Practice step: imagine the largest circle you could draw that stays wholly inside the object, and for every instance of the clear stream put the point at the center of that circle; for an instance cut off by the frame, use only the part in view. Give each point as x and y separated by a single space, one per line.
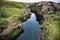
31 29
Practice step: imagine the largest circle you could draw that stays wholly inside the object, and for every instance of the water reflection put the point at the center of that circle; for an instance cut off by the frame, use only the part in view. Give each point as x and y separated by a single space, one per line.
31 29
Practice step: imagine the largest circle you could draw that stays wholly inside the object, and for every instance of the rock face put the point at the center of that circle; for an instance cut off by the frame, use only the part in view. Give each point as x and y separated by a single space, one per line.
5 34
44 7
46 13
27 14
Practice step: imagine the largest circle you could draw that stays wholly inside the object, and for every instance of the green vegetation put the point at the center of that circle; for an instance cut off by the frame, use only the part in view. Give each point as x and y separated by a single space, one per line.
11 8
3 13
15 32
53 26
15 4
3 23
9 14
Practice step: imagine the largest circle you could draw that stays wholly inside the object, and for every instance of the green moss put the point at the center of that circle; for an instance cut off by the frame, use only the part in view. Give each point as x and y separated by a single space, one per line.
9 15
3 23
15 32
13 11
12 8
53 27
21 16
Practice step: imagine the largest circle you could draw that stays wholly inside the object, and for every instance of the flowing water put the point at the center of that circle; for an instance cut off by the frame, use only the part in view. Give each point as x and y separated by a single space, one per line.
31 29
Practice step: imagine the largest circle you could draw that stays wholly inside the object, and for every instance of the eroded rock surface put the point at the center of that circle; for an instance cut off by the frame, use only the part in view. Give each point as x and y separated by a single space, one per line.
43 11
6 33
44 7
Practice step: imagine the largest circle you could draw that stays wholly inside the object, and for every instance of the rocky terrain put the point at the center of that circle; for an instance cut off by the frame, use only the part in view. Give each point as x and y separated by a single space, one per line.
5 34
41 8
12 17
47 14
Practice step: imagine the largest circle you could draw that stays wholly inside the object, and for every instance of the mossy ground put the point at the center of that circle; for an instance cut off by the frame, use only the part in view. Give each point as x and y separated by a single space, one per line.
53 26
12 11
15 32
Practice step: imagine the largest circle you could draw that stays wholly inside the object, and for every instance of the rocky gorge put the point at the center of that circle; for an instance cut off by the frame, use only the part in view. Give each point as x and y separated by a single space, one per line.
46 13
48 16
9 32
44 7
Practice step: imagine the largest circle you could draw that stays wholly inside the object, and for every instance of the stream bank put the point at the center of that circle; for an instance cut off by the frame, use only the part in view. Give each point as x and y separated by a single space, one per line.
15 25
47 15
31 29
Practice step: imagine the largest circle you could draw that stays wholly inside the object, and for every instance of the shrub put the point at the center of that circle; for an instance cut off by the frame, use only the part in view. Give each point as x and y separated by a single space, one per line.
3 13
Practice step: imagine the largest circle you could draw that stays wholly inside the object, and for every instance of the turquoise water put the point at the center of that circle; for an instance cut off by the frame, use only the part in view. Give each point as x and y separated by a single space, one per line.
31 29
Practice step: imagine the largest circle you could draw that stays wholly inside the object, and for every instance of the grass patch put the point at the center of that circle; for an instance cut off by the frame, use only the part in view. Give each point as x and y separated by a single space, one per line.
53 27
13 11
3 23
16 31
